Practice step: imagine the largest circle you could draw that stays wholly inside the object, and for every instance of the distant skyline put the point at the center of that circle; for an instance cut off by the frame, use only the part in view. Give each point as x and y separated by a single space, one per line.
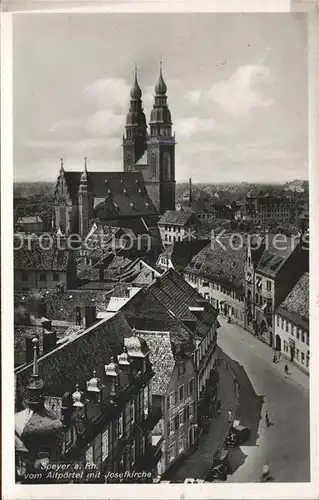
237 91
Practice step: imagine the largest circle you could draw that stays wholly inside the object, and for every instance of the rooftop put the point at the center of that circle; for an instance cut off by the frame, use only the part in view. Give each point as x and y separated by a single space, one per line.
178 217
296 304
181 252
222 261
277 249
36 258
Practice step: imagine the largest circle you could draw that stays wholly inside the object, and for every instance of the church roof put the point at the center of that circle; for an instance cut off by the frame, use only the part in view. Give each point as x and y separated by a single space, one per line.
142 160
124 192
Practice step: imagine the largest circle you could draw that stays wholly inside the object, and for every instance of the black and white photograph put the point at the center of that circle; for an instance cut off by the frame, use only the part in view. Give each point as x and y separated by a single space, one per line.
161 229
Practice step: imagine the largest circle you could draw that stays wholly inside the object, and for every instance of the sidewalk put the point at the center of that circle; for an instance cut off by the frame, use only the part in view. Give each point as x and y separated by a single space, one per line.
197 464
265 352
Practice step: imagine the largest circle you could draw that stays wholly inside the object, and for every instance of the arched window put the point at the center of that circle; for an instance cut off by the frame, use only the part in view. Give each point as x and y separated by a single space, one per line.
166 166
153 165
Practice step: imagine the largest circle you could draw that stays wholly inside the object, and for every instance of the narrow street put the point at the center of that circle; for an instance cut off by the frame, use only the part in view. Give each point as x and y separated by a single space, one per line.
285 445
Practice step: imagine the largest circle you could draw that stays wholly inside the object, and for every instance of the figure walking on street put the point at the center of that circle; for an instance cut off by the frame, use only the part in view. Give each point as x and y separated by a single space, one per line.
286 369
230 416
274 358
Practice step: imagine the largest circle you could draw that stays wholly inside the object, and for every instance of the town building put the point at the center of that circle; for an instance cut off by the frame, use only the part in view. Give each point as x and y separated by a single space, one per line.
39 266
177 225
174 392
29 224
152 308
217 273
292 325
146 186
88 402
264 209
179 254
274 265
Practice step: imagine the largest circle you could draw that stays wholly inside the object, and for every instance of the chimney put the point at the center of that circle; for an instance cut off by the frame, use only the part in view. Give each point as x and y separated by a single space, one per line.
90 316
49 341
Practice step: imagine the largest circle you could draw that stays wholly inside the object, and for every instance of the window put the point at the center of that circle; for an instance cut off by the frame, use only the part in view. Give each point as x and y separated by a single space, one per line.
68 438
181 444
268 285
282 323
105 444
43 277
171 400
257 298
285 346
181 418
297 354
166 166
181 393
171 427
146 401
287 326
298 334
307 360
121 426
171 453
302 336
181 368
55 276
153 164
89 455
24 276
190 387
292 330
191 410
307 338
133 455
302 358
133 412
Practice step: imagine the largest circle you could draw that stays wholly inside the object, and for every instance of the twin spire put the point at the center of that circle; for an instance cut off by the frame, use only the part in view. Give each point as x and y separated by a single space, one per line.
160 87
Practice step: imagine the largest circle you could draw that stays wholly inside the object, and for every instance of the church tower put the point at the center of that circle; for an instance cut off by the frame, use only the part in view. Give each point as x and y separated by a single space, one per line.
160 174
134 141
85 203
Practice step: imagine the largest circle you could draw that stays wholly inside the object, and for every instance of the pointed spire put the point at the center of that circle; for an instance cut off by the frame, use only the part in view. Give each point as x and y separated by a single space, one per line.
84 176
62 165
160 87
35 368
85 164
136 92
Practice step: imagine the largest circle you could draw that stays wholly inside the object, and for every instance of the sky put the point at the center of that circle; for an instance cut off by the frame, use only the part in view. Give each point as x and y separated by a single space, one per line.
237 91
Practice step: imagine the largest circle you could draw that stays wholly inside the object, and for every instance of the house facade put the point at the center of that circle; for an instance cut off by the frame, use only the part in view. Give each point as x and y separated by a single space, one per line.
102 414
177 225
292 325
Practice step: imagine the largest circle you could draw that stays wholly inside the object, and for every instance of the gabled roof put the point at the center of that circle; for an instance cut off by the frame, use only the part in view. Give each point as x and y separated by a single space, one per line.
296 305
181 252
177 217
178 296
124 193
222 261
75 360
277 250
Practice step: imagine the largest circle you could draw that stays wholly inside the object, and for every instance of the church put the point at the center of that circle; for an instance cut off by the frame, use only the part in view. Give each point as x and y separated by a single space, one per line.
142 191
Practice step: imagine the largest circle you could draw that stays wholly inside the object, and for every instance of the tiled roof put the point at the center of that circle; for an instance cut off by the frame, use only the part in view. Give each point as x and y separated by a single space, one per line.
222 263
145 311
181 252
142 160
177 217
276 253
124 193
61 306
178 296
75 360
161 357
296 304
41 259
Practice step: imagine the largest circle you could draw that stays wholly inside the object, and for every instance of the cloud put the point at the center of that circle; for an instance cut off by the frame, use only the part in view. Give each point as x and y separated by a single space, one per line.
108 93
66 124
194 96
104 123
194 125
239 94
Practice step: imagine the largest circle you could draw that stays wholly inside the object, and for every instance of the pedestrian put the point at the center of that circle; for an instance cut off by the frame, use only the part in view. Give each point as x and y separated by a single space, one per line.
286 369
230 416
274 358
267 419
